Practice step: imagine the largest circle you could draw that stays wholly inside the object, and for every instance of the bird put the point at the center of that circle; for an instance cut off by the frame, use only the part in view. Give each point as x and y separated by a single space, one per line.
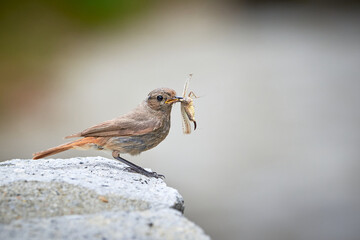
141 129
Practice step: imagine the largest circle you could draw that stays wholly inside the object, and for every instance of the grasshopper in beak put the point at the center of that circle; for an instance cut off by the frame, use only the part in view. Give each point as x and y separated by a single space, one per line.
187 108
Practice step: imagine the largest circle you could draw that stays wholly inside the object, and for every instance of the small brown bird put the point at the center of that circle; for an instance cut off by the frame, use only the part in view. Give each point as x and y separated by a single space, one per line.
139 130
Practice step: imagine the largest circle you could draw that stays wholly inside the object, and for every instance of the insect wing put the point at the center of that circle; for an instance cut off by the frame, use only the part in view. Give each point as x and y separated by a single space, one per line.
185 120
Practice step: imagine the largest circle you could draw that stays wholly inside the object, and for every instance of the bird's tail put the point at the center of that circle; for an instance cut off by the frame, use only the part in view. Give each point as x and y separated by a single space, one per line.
80 143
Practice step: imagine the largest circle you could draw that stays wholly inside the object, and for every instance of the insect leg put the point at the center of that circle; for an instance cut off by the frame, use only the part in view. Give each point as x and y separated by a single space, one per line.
192 94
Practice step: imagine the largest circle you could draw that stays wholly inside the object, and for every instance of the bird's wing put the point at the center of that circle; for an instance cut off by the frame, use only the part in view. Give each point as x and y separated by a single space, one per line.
122 126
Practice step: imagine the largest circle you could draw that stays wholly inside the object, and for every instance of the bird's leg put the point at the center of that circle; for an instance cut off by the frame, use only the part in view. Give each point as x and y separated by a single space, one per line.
135 167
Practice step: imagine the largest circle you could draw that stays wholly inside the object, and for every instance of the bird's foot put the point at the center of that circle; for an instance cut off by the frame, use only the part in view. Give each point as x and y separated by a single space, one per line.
145 173
136 168
155 175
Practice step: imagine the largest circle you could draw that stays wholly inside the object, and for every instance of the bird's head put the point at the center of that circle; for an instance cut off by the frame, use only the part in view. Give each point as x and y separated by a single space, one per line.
162 99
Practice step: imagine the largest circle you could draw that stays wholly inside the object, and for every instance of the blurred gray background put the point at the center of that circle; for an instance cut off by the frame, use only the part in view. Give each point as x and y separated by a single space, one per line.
276 153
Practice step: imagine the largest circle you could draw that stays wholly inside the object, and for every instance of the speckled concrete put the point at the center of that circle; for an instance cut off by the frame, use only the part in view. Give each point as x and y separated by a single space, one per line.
88 198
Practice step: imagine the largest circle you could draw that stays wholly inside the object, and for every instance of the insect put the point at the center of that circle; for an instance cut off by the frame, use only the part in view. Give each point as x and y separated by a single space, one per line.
187 108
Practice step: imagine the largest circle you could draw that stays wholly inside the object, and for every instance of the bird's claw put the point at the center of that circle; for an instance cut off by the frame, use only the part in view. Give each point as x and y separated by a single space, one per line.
155 175
145 173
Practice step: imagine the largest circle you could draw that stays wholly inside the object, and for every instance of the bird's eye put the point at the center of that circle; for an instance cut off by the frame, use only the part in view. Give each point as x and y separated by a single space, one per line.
159 98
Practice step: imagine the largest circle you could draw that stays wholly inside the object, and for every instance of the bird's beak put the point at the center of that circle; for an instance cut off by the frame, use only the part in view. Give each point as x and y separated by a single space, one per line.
173 100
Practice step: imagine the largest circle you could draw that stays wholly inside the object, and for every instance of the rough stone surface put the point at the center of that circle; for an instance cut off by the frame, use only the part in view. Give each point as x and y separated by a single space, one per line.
88 198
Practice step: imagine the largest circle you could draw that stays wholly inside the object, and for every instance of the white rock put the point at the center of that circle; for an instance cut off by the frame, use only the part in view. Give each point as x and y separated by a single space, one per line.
86 198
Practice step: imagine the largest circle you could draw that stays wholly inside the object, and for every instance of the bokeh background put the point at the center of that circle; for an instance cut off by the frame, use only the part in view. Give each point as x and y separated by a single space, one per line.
277 151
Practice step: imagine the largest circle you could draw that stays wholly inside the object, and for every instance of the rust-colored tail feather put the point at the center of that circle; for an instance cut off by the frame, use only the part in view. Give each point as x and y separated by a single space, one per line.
63 147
